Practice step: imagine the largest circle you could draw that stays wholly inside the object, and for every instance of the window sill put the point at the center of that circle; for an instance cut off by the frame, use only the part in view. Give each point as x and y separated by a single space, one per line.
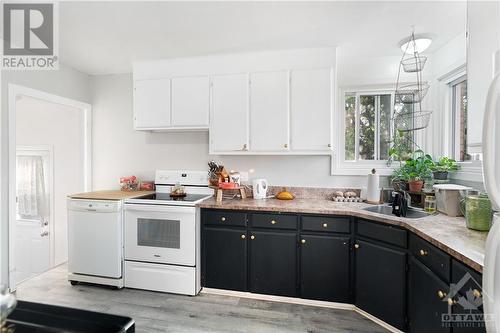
469 171
361 168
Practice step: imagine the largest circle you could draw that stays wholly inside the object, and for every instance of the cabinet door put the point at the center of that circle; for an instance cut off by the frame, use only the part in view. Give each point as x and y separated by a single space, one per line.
269 111
225 259
380 282
151 103
311 109
425 306
190 101
229 122
273 263
324 268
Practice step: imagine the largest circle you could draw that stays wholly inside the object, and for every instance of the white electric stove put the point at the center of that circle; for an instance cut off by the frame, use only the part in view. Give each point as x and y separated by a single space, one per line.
162 235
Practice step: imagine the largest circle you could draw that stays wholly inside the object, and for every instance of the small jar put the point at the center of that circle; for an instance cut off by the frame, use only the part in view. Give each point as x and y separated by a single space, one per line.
430 204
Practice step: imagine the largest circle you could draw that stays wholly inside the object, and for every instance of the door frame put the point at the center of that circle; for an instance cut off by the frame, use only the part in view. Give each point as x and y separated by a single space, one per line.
16 91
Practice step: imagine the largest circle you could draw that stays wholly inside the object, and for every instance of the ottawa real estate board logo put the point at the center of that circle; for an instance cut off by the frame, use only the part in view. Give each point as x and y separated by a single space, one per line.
30 36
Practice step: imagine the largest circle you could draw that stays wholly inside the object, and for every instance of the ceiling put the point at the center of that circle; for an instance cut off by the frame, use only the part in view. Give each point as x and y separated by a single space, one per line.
106 37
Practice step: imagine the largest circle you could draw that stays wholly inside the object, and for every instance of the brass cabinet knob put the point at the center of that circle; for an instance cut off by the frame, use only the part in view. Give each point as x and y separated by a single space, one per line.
325 225
252 237
356 246
329 145
244 147
423 253
223 219
477 293
243 236
285 145
451 301
303 241
273 222
441 294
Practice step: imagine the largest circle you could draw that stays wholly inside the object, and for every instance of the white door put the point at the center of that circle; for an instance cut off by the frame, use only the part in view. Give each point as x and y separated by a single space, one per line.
311 109
269 111
151 103
229 122
33 212
190 101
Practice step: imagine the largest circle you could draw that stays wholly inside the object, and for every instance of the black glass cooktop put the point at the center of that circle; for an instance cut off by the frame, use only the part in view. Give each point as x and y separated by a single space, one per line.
168 197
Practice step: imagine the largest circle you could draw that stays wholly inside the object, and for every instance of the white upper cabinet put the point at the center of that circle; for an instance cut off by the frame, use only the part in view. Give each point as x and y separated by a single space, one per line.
229 115
311 109
269 111
190 101
151 104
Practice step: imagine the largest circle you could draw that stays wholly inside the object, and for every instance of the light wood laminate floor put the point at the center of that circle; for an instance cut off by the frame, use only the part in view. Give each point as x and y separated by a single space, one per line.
160 312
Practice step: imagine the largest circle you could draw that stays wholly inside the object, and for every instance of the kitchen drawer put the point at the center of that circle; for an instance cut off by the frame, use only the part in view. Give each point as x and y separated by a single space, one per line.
385 233
339 224
437 261
274 221
225 217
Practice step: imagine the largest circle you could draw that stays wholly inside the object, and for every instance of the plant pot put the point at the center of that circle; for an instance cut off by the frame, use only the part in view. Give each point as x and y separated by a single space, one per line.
416 185
440 175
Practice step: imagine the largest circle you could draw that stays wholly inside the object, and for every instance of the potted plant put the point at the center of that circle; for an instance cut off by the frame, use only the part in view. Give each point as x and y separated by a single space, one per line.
414 171
441 168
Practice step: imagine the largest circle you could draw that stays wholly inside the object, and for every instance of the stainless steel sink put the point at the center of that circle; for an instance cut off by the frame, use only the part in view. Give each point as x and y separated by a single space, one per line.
387 210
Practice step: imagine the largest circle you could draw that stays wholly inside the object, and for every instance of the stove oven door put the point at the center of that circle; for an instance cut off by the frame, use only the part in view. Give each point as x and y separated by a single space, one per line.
160 234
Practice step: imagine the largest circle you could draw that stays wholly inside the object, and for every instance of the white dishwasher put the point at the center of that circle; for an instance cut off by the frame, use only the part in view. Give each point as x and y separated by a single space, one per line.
95 242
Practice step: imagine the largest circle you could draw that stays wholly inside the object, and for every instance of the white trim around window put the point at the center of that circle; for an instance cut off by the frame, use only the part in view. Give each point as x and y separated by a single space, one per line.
339 165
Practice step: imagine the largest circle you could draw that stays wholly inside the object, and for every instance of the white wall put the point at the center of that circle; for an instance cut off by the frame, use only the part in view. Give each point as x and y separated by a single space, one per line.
65 82
118 150
41 123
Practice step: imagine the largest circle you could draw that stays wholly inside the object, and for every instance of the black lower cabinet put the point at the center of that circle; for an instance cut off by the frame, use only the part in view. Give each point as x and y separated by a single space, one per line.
273 263
324 268
427 300
380 282
225 259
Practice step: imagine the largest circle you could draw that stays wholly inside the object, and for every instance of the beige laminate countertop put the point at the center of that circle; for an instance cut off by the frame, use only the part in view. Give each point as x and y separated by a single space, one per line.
109 195
447 233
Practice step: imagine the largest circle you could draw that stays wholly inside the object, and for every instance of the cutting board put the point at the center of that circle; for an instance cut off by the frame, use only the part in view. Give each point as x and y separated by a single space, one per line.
109 195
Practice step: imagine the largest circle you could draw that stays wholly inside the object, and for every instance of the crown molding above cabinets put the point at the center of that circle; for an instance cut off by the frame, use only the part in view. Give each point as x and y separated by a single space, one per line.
259 103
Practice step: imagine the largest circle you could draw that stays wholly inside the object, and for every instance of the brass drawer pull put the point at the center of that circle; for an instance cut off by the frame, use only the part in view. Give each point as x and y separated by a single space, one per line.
252 237
423 253
303 241
285 145
325 225
477 293
243 236
441 294
223 219
451 301
356 246
273 222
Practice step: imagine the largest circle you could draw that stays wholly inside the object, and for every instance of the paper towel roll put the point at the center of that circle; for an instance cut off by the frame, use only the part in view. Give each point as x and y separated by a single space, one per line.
373 189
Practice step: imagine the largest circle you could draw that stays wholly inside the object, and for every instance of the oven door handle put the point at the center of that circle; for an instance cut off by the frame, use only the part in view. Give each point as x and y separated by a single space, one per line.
159 208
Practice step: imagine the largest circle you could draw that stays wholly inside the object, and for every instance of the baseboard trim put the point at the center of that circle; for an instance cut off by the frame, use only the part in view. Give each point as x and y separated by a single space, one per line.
299 301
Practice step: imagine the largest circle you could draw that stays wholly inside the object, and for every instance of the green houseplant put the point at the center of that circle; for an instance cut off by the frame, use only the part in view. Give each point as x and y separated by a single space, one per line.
443 167
414 171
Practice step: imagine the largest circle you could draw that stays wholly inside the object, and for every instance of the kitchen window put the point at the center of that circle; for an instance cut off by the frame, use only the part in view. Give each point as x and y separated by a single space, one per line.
459 116
368 126
367 132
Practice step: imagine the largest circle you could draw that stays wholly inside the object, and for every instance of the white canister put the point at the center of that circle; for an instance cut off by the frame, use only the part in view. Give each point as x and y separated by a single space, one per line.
259 188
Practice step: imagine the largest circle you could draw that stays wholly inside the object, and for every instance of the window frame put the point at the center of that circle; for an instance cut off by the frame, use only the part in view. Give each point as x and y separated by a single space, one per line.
357 167
456 118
